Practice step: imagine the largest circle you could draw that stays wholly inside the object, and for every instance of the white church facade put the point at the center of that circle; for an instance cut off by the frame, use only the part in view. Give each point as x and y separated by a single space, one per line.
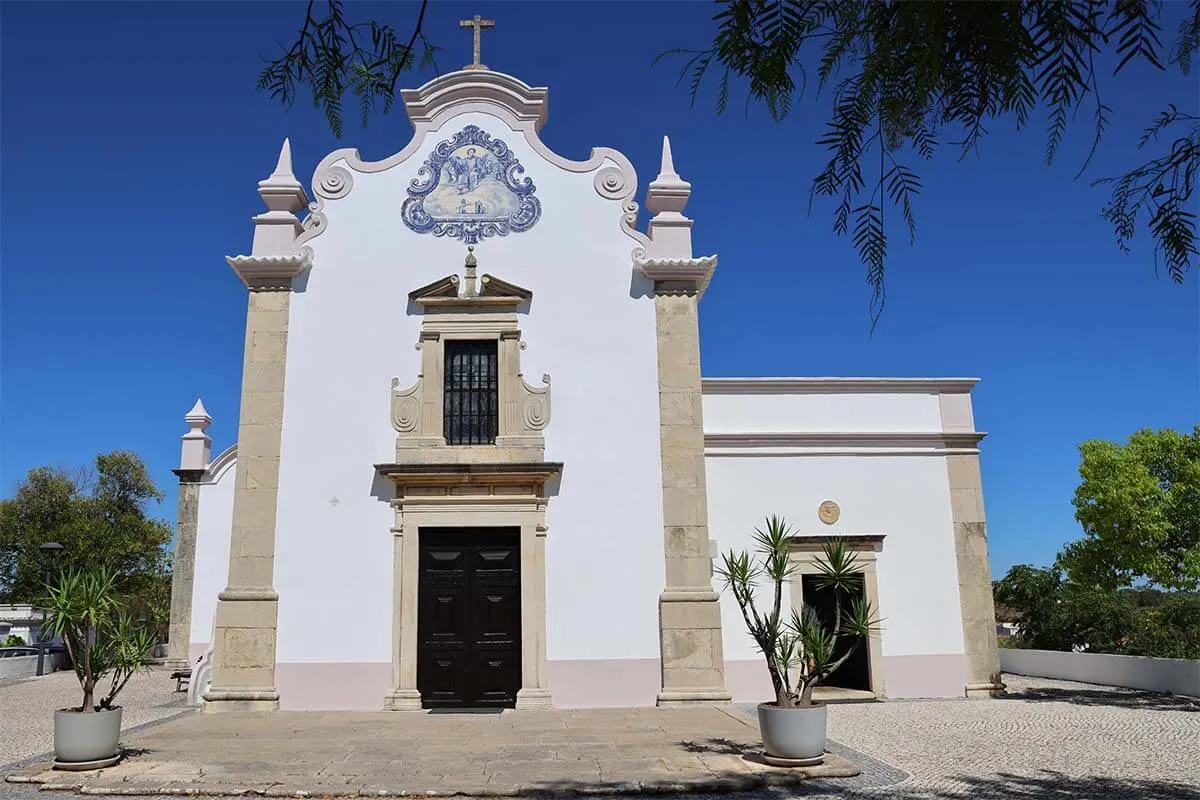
477 464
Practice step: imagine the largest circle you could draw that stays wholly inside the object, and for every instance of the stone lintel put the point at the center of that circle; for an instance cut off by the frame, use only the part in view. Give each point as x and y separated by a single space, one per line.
189 475
469 473
854 541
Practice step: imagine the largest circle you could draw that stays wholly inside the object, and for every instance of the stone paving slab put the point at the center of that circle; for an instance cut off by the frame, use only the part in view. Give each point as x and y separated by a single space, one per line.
340 754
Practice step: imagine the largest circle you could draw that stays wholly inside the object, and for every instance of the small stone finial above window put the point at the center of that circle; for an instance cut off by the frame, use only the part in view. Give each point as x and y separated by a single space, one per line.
197 446
471 290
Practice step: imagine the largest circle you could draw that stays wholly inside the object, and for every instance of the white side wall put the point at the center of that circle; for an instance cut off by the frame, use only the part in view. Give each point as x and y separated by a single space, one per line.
893 490
1175 675
213 529
350 333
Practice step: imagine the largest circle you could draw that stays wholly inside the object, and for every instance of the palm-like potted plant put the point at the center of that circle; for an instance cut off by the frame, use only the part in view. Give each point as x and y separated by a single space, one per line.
103 641
800 650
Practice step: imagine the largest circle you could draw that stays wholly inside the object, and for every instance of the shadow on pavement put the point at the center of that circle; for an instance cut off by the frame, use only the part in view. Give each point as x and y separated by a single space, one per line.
1129 698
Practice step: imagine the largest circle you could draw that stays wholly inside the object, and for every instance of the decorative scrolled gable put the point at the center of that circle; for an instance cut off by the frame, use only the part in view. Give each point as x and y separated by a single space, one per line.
460 310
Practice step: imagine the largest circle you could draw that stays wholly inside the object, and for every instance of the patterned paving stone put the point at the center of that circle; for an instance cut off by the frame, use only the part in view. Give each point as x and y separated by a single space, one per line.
1047 740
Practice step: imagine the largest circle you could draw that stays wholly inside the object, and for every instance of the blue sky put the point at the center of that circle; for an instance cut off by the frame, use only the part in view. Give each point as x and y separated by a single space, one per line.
132 139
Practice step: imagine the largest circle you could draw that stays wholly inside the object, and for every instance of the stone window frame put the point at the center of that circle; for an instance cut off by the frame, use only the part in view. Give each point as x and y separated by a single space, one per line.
804 552
486 314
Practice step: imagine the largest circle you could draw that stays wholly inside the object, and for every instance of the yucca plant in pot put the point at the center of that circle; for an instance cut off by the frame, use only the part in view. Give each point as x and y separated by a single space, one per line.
104 642
800 650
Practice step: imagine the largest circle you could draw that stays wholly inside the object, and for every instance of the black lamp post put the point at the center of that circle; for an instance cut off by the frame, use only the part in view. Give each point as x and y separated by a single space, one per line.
50 551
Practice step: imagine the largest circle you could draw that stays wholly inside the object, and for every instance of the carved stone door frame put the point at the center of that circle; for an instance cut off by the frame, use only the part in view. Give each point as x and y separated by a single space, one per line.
469 496
805 550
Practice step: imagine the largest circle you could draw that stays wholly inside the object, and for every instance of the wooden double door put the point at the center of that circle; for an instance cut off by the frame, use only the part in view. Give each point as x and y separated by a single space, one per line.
469 617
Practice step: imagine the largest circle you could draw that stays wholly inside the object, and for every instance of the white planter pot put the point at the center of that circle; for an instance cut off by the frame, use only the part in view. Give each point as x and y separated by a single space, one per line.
86 741
792 737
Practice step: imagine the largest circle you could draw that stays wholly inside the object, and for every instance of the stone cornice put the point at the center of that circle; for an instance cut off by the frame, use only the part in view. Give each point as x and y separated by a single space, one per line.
526 473
270 272
446 94
849 442
669 274
715 386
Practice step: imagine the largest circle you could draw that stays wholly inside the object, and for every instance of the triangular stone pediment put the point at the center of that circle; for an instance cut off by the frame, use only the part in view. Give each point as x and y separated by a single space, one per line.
442 287
491 286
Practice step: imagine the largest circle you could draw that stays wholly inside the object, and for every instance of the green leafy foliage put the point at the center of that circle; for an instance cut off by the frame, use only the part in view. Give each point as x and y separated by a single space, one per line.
1139 505
332 56
100 635
904 73
13 641
100 518
1056 614
799 649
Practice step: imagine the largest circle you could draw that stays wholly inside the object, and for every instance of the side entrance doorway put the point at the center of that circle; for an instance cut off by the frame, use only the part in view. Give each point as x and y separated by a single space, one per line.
854 673
469 617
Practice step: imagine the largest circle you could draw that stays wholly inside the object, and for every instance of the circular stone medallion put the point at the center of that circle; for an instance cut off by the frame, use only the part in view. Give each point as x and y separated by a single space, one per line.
828 512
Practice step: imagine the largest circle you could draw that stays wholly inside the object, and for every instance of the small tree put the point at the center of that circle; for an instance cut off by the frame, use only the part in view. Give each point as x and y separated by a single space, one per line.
800 651
99 634
13 641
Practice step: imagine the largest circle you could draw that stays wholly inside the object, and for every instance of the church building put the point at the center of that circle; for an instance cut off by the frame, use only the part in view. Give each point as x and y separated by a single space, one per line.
477 464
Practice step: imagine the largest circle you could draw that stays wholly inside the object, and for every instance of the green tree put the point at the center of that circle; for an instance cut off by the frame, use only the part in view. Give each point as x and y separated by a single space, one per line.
1139 505
101 521
904 77
1056 614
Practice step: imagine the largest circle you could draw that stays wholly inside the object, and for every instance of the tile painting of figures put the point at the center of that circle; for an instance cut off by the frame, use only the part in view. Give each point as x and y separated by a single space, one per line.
471 186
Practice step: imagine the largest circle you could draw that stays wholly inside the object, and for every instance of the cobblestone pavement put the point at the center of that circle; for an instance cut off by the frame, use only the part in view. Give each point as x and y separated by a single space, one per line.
27 708
1047 740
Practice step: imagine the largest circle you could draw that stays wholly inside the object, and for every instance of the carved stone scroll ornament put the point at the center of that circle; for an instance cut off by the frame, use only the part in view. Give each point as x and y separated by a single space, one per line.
406 407
535 405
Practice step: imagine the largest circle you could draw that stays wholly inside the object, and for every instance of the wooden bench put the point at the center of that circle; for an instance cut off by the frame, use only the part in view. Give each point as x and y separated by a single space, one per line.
179 676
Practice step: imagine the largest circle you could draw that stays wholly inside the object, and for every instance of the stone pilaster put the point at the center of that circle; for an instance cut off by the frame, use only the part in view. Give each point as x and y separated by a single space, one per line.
974 576
689 611
183 569
971 550
692 651
248 608
244 650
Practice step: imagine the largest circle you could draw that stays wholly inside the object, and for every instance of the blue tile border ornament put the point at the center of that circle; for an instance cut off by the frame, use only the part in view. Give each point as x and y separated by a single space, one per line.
471 187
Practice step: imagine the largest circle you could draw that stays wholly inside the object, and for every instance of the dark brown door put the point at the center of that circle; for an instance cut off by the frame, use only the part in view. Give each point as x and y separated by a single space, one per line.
469 617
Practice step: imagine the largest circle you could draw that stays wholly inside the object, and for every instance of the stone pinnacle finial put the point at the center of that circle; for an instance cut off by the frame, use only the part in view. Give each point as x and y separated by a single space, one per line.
469 289
667 167
276 230
667 192
197 446
198 416
283 167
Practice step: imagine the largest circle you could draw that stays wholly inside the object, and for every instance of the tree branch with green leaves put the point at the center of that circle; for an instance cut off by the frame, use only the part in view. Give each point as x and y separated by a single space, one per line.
906 74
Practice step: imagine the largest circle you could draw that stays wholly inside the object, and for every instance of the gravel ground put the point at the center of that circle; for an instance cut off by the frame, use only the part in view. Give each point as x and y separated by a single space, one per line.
1048 740
27 708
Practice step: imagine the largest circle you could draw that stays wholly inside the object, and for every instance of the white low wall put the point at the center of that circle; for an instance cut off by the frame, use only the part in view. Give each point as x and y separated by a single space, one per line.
18 667
1134 672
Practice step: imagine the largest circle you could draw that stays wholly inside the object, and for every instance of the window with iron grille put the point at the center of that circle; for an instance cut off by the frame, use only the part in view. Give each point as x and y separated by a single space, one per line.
471 408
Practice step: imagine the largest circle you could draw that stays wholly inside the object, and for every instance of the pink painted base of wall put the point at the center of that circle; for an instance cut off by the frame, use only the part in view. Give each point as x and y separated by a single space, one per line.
358 686
598 683
914 677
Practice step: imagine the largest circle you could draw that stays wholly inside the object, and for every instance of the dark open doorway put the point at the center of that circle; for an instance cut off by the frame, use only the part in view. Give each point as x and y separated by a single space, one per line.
855 673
